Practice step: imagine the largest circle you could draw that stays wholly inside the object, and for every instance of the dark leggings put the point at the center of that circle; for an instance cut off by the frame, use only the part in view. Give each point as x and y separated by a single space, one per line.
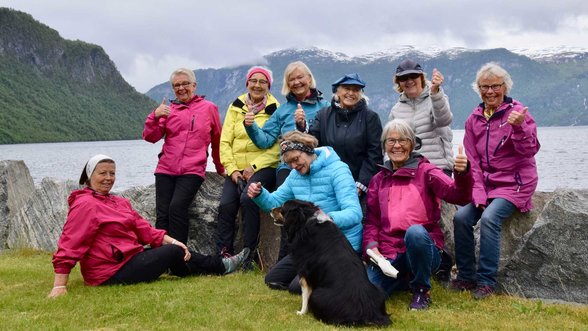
152 263
173 196
231 200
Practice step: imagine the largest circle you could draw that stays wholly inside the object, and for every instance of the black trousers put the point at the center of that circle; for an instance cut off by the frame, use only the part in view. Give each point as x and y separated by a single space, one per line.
152 263
283 276
173 196
232 198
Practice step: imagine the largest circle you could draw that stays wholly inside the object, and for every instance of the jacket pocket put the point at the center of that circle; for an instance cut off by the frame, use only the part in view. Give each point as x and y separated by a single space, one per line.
499 145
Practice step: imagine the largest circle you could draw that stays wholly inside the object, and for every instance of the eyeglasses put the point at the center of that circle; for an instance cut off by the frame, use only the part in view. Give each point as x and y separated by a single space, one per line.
404 78
260 81
494 87
177 86
401 141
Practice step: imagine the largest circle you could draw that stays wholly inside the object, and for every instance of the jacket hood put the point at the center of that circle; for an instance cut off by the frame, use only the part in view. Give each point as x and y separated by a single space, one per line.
325 156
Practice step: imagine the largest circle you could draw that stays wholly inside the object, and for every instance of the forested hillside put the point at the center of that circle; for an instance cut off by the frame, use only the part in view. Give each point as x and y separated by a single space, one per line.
52 89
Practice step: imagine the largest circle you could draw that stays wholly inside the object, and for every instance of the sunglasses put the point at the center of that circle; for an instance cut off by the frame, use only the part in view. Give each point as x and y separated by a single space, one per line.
404 78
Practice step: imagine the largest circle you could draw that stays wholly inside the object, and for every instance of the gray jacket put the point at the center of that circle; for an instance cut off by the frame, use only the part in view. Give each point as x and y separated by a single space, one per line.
430 117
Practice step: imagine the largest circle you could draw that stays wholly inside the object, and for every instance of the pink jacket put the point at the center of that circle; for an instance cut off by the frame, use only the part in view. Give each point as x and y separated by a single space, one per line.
502 156
189 129
410 195
102 232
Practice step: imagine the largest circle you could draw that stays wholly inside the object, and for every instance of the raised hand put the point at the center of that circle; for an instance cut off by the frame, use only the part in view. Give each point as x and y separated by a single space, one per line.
517 118
436 80
299 117
254 190
461 160
249 118
163 109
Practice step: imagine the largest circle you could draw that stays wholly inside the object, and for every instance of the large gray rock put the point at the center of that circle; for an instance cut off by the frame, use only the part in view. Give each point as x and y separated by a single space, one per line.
39 222
16 185
552 261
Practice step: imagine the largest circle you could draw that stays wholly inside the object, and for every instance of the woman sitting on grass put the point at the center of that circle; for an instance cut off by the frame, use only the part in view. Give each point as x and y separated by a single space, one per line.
106 235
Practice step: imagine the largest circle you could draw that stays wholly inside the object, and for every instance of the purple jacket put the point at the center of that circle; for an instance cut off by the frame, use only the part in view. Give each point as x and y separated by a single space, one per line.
502 156
410 195
188 130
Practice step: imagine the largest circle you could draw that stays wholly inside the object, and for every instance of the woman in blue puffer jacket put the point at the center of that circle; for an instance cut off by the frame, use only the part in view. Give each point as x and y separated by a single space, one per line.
320 177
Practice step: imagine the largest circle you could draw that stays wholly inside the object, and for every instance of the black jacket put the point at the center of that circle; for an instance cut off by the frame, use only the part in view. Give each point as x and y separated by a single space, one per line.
355 136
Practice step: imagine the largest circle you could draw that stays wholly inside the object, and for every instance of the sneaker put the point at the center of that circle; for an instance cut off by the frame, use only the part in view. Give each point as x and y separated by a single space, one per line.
234 262
483 292
421 299
459 285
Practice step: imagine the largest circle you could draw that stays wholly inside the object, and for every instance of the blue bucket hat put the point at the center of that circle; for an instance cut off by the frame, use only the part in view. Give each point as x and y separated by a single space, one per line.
349 79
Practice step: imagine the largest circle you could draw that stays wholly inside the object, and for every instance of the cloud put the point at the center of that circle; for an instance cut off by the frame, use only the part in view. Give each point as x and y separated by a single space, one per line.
148 39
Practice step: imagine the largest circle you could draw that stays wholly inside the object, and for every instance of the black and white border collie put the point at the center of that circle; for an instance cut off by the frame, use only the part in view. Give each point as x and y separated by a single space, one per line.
335 286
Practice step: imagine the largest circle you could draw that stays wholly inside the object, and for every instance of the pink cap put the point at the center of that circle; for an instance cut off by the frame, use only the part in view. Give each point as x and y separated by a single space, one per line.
260 70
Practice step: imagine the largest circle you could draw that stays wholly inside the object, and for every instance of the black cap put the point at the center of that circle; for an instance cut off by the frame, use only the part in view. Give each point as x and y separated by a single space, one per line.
407 67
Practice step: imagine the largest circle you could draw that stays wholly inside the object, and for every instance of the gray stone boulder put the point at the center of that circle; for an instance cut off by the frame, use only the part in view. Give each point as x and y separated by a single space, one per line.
39 222
16 185
552 261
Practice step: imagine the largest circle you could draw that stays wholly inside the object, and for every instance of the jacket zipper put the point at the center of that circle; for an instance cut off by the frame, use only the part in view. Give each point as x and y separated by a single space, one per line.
499 145
192 124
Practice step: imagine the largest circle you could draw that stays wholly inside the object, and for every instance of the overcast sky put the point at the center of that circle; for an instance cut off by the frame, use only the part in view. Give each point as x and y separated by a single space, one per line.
148 39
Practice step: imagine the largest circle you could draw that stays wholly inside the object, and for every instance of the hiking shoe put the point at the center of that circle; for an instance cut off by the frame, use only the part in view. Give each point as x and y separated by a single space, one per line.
234 262
458 285
421 299
483 292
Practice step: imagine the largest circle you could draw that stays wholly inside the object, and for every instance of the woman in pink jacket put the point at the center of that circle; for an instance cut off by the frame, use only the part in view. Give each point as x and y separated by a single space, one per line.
106 235
501 141
403 212
189 125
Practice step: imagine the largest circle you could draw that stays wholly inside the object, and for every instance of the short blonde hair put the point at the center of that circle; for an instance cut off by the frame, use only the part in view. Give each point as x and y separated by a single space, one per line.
492 69
289 69
183 71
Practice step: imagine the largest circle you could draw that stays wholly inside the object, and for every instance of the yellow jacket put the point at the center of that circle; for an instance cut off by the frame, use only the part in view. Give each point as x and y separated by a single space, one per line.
237 151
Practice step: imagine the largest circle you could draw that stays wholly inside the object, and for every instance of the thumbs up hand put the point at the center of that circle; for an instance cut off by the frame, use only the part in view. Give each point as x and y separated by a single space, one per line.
461 160
436 80
249 118
517 118
299 117
254 190
163 109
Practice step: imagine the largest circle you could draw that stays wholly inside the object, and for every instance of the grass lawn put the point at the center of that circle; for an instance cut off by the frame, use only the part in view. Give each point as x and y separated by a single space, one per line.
239 301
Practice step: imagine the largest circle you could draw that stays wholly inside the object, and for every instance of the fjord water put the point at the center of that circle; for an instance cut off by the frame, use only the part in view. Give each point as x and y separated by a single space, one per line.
561 160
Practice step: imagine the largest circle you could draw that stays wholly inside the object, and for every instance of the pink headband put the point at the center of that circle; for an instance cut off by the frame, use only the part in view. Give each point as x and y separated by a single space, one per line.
263 72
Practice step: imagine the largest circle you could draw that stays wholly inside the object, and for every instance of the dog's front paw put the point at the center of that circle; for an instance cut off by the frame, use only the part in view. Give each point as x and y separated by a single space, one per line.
300 312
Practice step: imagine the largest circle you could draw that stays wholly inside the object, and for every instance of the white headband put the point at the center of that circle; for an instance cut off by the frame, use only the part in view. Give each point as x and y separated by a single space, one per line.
92 162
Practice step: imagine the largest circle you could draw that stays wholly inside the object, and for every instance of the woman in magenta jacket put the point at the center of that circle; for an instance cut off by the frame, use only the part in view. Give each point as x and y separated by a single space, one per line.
189 125
403 212
106 235
501 141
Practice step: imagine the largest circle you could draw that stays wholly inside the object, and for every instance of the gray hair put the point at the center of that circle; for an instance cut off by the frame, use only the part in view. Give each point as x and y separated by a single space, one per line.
402 127
289 69
361 95
183 71
492 69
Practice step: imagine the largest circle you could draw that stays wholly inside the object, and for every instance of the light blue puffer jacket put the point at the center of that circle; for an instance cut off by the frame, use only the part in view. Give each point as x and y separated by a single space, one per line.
330 186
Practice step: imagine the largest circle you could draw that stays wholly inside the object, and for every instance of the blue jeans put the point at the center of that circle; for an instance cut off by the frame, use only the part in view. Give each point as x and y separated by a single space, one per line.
415 267
491 220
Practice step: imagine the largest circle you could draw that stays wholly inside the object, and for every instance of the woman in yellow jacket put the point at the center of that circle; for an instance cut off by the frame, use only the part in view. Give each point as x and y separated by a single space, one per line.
245 163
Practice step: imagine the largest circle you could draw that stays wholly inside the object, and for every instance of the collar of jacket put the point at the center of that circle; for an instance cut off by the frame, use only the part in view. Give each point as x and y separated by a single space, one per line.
359 106
269 109
315 97
508 102
409 167
195 98
424 95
